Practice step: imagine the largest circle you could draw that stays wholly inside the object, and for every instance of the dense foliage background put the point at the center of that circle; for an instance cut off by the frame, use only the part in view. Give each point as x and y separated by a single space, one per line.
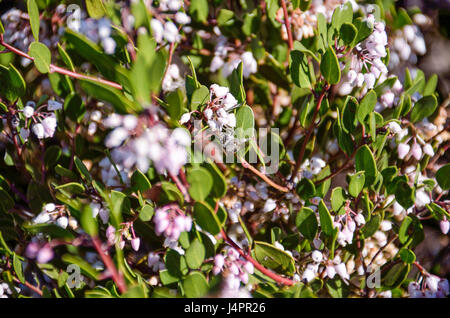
117 117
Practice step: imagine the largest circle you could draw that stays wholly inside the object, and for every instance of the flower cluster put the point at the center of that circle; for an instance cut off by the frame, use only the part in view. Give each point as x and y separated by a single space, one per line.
171 222
432 287
367 66
137 146
305 22
226 59
234 269
163 27
123 234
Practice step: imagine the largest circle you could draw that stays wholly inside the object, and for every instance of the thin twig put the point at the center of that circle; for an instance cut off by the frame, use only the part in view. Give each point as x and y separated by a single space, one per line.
309 133
117 277
245 164
57 69
32 287
287 24
258 266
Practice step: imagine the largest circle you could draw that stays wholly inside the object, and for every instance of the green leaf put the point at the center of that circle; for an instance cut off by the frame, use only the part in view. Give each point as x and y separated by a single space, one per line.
326 221
64 172
18 268
219 188
348 33
306 222
371 226
442 177
237 83
119 204
274 258
423 108
171 192
395 276
200 96
137 291
349 120
323 32
52 155
299 69
74 107
342 14
167 277
195 285
146 213
95 8
33 13
364 161
71 188
2 29
139 181
245 122
17 83
198 9
82 169
329 67
175 104
364 30
431 85
200 183
66 58
206 218
356 183
404 194
111 95
195 254
401 19
305 189
407 255
225 17
85 267
411 228
175 263
41 55
337 288
323 187
366 106
88 222
338 199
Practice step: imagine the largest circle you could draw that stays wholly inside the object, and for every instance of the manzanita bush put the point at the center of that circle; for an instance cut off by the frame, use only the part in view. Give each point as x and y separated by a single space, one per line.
218 149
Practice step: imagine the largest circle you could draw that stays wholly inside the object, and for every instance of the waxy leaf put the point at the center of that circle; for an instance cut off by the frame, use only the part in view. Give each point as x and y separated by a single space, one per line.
364 161
423 108
41 55
33 13
200 183
306 222
274 258
329 67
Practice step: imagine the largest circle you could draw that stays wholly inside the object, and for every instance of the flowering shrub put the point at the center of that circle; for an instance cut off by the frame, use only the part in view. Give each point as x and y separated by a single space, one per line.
219 149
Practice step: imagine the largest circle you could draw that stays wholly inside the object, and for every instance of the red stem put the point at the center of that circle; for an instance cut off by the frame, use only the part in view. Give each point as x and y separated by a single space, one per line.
258 266
245 164
117 277
309 133
287 24
57 69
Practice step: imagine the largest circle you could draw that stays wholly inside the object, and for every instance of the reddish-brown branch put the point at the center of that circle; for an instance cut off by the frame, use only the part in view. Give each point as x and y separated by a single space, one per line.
287 24
32 287
245 164
116 275
180 187
57 69
309 133
258 266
